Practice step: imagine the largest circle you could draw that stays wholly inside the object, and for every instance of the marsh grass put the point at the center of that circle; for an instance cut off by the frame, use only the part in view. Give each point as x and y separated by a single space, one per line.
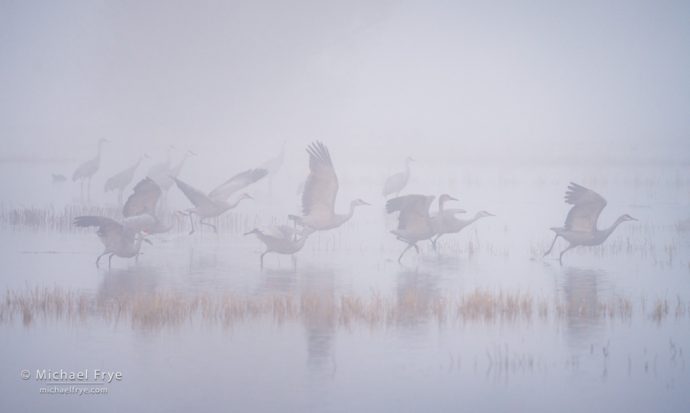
62 219
171 309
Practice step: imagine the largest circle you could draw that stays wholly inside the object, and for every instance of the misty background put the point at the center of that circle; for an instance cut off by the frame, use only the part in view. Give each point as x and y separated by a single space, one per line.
443 81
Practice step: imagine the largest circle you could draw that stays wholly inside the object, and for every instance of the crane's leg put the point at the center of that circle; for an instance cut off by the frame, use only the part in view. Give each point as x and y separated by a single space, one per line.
552 244
403 253
294 261
119 196
88 191
261 260
99 258
208 224
191 222
416 248
560 257
435 240
110 260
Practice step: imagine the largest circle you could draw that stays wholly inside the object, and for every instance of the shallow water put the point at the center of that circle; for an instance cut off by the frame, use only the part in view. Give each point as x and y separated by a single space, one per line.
606 331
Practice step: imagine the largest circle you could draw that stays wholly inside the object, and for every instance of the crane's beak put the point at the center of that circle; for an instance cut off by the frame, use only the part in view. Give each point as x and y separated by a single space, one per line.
192 153
148 241
365 203
452 198
634 219
250 232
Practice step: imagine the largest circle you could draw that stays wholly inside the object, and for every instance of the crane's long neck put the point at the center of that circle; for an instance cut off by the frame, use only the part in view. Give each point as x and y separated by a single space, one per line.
100 149
608 231
441 203
176 170
234 204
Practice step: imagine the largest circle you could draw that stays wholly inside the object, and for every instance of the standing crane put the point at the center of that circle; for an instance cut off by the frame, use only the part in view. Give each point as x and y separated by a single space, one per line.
87 170
397 182
120 180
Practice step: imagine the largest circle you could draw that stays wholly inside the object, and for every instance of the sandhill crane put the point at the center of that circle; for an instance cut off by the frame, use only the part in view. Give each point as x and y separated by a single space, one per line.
273 165
397 182
120 239
88 169
123 178
414 222
450 224
215 203
581 223
124 239
280 239
320 191
144 200
165 181
161 169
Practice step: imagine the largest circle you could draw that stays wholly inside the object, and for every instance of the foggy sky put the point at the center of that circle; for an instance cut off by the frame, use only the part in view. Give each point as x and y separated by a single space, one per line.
442 80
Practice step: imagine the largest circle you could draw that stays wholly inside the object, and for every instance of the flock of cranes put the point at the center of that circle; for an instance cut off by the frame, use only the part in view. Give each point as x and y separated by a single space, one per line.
416 223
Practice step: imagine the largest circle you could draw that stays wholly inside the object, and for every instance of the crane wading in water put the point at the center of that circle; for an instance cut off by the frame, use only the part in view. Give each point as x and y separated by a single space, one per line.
414 222
320 192
280 239
123 239
215 203
581 223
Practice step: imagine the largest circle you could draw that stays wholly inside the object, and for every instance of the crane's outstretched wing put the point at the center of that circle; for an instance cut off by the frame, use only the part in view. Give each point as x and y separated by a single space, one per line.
108 229
143 200
321 188
237 182
587 206
195 196
414 211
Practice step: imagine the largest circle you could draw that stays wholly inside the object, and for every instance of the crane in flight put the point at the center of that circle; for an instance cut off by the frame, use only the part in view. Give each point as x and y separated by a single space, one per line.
215 203
320 192
580 228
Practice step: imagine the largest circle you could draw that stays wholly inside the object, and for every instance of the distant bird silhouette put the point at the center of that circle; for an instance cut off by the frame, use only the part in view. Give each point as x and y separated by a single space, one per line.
120 180
123 239
414 221
88 169
397 182
581 223
320 191
58 178
280 239
215 203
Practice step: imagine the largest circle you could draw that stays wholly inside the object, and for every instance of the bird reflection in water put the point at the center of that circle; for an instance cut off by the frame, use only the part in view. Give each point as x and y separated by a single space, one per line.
581 294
